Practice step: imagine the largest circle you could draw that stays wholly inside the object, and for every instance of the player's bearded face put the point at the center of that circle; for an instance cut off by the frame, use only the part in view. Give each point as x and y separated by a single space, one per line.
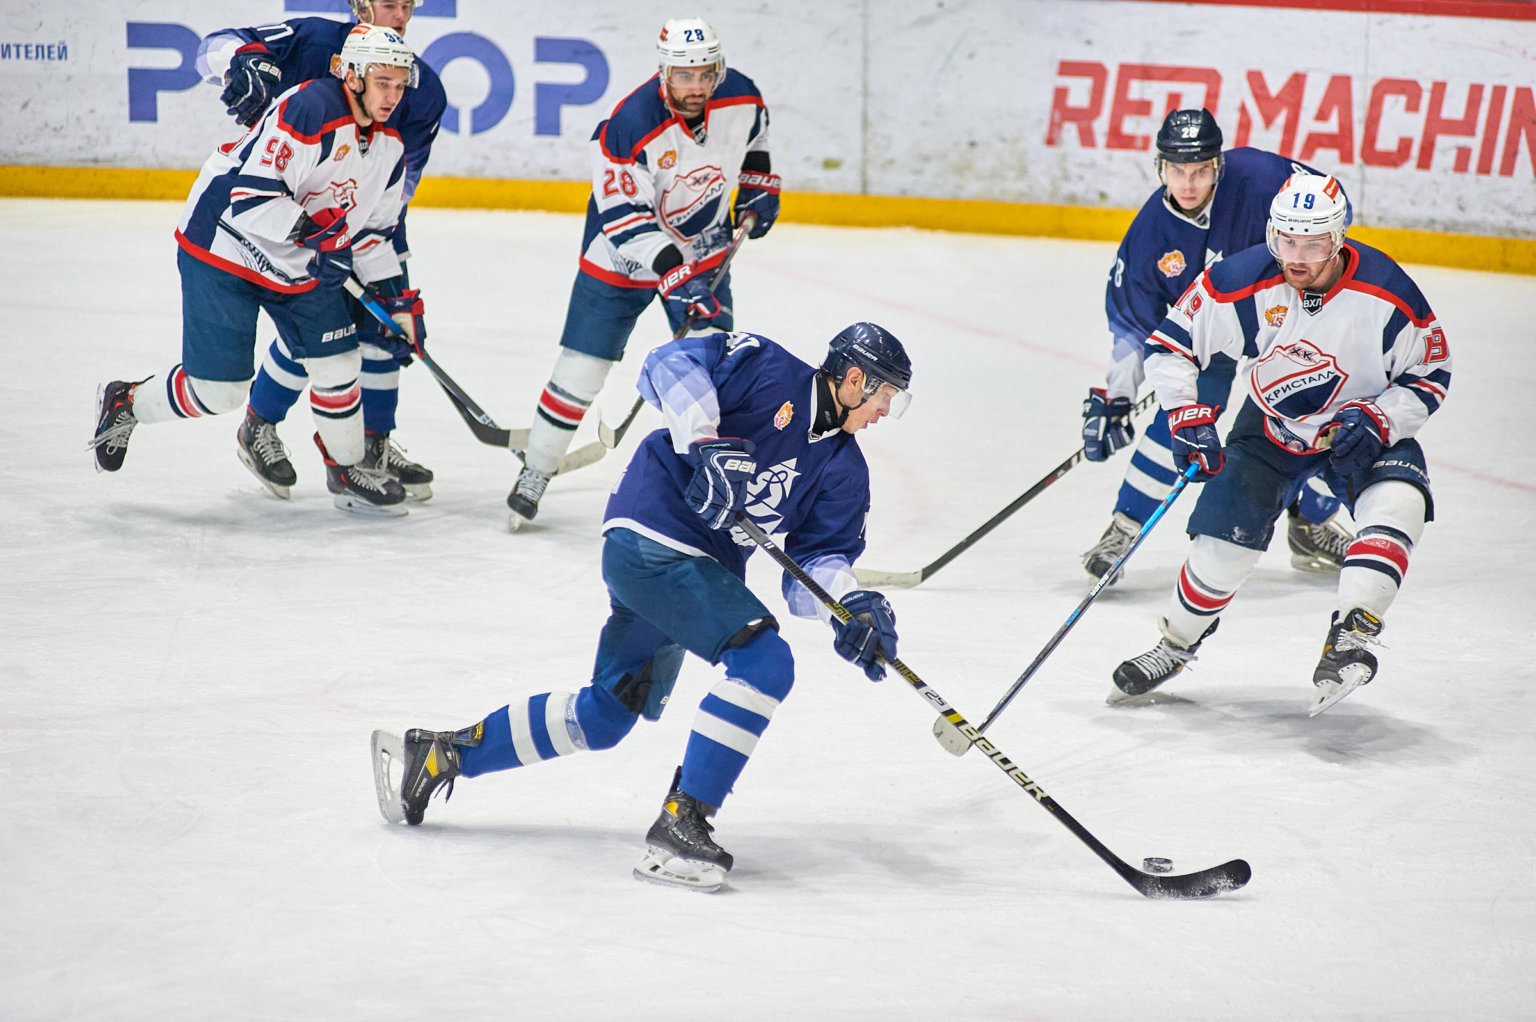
689 87
1309 261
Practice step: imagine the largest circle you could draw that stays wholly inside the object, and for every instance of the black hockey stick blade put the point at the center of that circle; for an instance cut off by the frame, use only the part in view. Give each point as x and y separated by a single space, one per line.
1205 883
908 579
611 435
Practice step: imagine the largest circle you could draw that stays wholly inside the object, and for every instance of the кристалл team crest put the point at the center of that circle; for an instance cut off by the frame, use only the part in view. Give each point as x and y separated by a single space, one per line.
1172 263
1296 380
785 413
1275 316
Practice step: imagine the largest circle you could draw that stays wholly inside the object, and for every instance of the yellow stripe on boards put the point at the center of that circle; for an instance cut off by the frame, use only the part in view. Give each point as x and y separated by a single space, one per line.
1432 248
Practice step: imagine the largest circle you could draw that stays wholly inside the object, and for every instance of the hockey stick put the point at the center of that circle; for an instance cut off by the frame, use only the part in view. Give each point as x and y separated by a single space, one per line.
610 436
479 422
908 579
958 743
1228 876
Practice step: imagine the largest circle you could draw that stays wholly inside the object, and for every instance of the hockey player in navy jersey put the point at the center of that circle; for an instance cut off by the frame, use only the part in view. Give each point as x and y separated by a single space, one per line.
254 65
1349 363
749 429
1212 204
659 221
277 221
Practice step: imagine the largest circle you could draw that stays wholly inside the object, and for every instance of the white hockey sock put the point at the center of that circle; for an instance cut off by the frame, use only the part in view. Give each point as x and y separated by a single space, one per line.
336 399
1390 516
175 395
572 385
1210 577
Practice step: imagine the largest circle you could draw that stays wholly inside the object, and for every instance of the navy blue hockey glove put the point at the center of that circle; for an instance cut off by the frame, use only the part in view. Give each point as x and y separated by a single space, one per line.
687 294
326 232
1359 432
253 79
757 193
869 634
1106 425
1194 438
721 470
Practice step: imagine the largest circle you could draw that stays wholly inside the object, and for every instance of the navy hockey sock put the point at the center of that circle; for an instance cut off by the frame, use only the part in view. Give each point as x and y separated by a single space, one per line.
278 385
734 715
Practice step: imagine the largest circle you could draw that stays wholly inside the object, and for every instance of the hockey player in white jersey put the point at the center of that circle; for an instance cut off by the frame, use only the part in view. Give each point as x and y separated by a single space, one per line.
749 430
1211 204
1349 363
658 222
277 221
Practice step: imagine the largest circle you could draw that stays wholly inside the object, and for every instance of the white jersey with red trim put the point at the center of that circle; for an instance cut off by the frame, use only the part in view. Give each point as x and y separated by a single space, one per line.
305 155
657 182
1370 338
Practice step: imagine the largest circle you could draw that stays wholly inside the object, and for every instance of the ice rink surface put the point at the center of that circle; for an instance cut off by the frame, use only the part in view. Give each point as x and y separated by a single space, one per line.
190 669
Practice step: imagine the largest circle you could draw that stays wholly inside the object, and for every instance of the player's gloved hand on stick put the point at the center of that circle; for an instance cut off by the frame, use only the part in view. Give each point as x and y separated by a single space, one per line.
326 232
405 307
757 193
1106 425
687 293
1359 432
1194 438
722 468
869 634
253 79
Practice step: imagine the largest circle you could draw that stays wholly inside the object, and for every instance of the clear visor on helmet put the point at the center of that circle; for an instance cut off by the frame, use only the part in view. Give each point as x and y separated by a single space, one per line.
887 397
1301 248
706 76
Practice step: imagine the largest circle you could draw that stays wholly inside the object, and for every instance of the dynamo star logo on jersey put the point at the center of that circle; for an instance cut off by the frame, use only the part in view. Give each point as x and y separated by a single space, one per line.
1295 380
765 494
689 202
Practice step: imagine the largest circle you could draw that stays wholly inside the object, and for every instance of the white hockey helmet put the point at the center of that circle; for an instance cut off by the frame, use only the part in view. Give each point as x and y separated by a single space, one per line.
374 45
689 42
1308 205
359 6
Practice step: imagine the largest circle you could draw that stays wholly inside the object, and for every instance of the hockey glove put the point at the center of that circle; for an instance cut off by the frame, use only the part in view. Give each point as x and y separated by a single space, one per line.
253 79
1106 425
869 634
405 307
688 294
1359 434
1194 438
758 194
325 231
722 467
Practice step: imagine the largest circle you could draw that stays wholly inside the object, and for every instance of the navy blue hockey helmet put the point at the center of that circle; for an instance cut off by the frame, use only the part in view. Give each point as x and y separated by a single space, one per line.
880 356
1189 136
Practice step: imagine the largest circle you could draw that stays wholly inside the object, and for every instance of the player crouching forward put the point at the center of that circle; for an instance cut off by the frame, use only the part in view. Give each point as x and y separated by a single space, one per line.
1349 364
278 220
675 569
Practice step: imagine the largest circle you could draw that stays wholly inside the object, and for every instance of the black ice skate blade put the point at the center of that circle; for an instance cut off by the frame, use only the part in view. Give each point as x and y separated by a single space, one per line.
1156 697
363 509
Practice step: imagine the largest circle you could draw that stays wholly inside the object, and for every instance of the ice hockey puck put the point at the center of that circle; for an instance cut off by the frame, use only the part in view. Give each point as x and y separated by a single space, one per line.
1152 864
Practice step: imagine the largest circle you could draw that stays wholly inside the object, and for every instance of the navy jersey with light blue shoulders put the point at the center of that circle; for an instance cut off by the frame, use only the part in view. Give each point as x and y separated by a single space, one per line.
816 490
1163 251
303 48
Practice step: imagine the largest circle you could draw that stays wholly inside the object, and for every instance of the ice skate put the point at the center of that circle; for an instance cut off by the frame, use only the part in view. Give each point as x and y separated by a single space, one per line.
679 850
262 451
1317 546
114 424
525 496
1347 662
361 490
1140 675
406 773
1117 539
382 454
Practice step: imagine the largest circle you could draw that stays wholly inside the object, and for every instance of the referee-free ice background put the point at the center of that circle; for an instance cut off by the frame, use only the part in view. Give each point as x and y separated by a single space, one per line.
190 670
